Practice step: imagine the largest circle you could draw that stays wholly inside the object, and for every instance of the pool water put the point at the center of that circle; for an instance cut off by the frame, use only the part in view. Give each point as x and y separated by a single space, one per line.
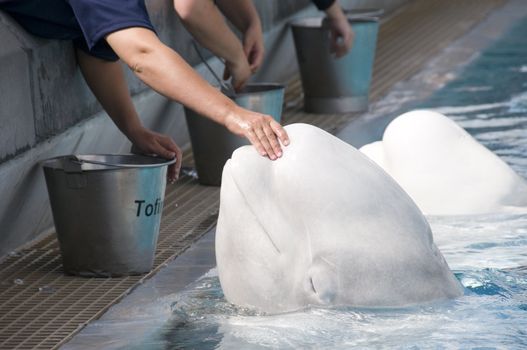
487 253
492 314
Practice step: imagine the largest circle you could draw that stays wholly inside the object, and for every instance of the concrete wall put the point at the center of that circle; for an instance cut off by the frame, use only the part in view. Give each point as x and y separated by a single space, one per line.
46 108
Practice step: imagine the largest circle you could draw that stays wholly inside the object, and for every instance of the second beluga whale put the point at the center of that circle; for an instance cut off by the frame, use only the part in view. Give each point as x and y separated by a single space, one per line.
444 169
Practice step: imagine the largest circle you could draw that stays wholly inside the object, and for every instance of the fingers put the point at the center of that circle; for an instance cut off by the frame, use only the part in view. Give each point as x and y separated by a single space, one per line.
253 47
164 147
265 141
172 173
255 56
256 60
280 132
247 50
338 46
170 147
271 138
349 40
239 71
344 44
266 135
149 142
253 139
341 37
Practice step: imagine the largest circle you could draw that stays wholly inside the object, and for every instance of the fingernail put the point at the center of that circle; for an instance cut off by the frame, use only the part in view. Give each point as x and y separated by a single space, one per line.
279 154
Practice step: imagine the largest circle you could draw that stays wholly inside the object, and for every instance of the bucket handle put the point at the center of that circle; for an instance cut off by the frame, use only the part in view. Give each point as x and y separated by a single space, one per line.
226 88
73 164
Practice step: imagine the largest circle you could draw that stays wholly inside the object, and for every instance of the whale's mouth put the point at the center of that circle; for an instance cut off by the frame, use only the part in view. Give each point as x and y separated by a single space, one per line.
312 285
232 176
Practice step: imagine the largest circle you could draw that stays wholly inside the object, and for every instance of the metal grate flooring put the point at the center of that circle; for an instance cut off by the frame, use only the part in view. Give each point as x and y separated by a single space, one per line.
41 308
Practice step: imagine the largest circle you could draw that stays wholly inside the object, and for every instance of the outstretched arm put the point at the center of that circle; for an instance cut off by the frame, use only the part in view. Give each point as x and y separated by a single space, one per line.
107 82
166 72
206 24
244 16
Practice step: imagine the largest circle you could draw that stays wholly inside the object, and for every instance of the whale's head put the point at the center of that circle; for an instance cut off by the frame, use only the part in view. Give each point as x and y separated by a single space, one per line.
323 225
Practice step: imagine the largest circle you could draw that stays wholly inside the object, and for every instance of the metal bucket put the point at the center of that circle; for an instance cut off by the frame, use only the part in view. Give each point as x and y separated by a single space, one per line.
107 211
335 85
213 144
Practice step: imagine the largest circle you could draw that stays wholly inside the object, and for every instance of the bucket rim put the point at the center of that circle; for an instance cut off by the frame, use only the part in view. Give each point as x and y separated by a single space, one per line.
78 159
318 22
363 12
271 87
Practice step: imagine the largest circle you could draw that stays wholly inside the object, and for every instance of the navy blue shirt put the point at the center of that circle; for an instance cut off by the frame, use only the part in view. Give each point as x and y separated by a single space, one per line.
86 22
323 4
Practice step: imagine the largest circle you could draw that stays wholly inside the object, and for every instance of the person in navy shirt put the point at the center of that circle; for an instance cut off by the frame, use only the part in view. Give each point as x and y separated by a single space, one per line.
104 31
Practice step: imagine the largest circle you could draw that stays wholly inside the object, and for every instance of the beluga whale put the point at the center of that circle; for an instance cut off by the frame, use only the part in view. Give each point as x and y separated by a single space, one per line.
323 226
444 169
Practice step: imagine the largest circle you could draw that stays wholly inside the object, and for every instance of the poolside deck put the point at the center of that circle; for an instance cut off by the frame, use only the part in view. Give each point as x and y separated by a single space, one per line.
41 308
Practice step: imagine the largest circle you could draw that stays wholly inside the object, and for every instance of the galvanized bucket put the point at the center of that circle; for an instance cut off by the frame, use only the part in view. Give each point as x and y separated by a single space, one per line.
213 144
107 211
335 85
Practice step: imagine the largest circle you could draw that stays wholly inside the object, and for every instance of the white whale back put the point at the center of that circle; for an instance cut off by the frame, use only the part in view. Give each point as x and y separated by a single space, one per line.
444 169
